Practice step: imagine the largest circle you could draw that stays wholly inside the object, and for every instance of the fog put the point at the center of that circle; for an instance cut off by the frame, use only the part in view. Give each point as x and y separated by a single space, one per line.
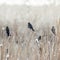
29 13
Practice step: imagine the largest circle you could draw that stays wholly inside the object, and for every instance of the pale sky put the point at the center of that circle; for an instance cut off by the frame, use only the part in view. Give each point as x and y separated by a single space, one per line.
30 2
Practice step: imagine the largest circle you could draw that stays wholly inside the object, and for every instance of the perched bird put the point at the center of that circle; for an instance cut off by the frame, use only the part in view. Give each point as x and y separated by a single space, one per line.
30 26
39 38
53 30
7 31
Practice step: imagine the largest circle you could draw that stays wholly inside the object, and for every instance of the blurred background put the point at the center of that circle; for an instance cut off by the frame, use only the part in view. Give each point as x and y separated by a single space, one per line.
31 2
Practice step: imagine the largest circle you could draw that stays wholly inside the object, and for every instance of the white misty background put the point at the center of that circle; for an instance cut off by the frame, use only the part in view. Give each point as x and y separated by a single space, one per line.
31 2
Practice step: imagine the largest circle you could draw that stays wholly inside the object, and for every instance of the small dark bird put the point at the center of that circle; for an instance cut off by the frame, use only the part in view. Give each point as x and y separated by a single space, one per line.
30 26
39 38
7 31
53 30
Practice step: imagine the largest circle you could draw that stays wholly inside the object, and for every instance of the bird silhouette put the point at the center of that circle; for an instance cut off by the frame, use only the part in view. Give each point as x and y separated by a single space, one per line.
7 31
39 38
30 26
53 30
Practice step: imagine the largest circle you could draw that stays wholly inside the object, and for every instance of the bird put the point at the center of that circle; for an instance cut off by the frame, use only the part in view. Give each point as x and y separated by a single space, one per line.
7 31
39 38
53 30
30 26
